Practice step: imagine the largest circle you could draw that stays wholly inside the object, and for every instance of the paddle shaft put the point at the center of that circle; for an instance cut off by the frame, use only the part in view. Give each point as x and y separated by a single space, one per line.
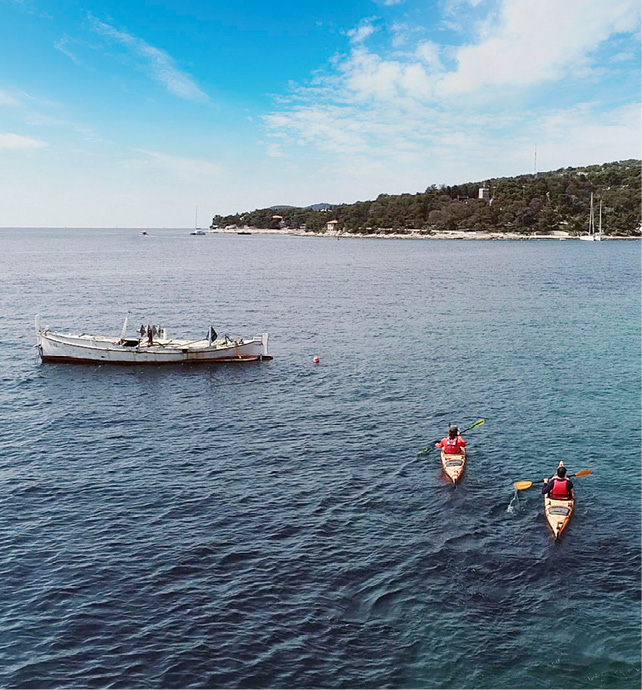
522 486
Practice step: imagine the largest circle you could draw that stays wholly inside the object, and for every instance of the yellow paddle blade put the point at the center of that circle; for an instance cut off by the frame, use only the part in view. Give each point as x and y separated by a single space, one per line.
523 485
583 473
479 422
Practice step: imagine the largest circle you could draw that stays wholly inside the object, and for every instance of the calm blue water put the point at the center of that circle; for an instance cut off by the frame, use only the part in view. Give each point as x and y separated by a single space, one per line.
266 525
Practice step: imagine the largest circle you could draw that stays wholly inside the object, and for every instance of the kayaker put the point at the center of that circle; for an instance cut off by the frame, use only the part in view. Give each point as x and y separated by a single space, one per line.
559 486
453 443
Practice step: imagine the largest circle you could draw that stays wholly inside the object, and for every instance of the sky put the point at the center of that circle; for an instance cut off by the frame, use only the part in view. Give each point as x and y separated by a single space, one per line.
163 113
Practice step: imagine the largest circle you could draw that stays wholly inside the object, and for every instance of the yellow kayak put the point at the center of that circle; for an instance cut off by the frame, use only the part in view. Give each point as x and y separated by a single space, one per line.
453 464
558 512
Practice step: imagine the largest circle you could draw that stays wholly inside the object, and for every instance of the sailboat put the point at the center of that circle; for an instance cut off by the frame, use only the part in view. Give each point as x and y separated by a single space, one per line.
592 235
197 230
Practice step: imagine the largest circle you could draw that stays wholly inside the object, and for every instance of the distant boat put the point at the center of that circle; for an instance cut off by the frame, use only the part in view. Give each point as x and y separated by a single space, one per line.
150 346
243 232
196 230
143 234
592 235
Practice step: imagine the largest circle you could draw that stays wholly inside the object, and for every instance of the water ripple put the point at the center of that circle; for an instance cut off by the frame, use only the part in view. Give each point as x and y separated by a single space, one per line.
271 526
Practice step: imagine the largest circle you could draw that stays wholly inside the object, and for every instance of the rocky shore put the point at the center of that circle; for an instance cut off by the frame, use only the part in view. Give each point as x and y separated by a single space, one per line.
411 234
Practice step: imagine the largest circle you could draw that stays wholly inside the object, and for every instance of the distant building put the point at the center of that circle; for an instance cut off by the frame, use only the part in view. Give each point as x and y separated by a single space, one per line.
484 193
277 222
331 225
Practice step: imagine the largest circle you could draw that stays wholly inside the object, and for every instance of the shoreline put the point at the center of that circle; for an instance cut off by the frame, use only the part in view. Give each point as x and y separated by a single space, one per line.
412 235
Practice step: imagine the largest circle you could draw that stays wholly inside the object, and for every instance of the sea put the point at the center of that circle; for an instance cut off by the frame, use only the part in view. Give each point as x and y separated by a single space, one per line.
270 524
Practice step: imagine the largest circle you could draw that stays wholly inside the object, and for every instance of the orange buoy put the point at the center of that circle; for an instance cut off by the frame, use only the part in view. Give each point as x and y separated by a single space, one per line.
315 359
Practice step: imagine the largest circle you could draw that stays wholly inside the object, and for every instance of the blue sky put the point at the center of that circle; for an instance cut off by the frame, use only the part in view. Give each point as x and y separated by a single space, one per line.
134 113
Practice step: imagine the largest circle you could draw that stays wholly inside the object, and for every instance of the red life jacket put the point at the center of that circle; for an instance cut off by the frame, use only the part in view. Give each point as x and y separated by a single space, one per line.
559 489
452 445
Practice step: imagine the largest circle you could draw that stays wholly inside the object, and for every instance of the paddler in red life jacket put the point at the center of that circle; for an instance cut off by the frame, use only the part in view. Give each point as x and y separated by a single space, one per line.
559 486
453 443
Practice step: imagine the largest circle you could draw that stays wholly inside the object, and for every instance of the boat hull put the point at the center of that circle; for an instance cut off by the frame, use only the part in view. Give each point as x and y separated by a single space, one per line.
67 347
558 514
453 464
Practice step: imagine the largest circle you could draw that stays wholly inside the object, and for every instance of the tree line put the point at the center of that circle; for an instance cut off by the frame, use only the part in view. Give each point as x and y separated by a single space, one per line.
529 204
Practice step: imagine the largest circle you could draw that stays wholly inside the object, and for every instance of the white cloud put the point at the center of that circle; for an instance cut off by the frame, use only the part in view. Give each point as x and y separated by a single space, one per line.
518 45
38 100
184 168
366 75
61 45
455 6
523 45
532 42
362 32
18 142
330 129
430 54
584 134
39 119
624 56
158 63
402 33
274 150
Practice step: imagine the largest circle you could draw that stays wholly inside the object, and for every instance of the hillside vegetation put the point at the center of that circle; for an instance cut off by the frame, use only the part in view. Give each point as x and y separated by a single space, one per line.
528 204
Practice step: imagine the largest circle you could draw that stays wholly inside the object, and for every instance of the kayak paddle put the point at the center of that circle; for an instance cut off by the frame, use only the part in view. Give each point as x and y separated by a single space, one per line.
521 486
425 451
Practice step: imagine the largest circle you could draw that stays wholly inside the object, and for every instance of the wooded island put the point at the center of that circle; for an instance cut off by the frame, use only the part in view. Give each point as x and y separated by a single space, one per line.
528 204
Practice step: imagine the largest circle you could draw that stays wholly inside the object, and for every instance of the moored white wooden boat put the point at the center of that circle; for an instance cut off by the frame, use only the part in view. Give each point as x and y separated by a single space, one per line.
149 348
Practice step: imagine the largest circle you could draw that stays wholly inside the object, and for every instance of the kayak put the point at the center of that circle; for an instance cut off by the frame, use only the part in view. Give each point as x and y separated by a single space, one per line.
558 512
453 464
